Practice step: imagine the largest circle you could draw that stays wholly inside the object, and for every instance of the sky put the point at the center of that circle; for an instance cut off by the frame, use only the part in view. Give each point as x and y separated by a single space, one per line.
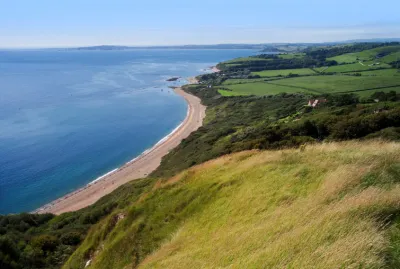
69 23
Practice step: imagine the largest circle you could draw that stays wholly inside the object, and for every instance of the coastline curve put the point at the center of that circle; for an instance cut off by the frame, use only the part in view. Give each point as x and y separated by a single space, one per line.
138 167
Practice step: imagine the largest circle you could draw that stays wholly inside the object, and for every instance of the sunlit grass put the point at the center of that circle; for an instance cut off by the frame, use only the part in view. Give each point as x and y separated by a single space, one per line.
285 72
320 206
290 210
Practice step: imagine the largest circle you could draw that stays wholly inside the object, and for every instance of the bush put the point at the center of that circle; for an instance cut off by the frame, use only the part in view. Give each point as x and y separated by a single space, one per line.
71 238
45 242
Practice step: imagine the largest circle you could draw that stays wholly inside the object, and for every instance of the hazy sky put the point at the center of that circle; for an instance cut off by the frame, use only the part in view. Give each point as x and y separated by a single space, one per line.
55 23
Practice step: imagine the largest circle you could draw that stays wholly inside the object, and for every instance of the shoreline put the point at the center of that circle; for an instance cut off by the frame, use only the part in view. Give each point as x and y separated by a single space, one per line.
214 69
139 167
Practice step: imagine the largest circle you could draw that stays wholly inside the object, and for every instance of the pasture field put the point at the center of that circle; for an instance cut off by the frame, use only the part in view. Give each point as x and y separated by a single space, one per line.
345 58
362 73
339 83
381 50
285 72
321 69
317 84
382 72
291 55
243 81
391 57
262 88
369 55
232 64
355 67
245 59
230 93
370 92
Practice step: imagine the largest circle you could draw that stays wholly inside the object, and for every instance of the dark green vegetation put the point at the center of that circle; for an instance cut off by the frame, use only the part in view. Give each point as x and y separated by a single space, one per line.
47 241
278 121
271 112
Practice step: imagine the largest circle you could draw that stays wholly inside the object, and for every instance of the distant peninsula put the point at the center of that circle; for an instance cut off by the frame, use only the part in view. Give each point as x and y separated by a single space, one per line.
103 47
218 46
263 47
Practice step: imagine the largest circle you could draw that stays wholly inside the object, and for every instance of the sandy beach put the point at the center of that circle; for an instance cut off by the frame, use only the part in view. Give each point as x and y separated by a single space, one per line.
140 167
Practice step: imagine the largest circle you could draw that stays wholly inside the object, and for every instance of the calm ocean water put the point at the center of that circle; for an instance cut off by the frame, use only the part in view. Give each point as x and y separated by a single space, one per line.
68 117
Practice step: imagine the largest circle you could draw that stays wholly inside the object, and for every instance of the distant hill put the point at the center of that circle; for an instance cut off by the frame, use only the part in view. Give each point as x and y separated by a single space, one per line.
103 47
217 46
379 40
264 47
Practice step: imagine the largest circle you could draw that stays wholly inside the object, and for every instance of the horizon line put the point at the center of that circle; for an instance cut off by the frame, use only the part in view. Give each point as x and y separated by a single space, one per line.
360 40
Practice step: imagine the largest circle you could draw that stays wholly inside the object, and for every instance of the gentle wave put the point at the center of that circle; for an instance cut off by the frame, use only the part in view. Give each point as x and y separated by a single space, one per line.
103 177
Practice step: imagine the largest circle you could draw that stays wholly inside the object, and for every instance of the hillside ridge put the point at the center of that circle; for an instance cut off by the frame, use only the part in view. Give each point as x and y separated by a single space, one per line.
333 204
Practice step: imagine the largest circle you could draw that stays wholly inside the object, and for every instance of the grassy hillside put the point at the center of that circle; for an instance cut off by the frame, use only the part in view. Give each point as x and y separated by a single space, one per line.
330 205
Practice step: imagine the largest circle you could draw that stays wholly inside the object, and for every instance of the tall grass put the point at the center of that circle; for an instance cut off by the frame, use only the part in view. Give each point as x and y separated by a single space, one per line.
330 205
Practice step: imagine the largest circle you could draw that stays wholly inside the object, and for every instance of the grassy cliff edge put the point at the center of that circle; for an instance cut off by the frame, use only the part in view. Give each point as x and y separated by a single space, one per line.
331 205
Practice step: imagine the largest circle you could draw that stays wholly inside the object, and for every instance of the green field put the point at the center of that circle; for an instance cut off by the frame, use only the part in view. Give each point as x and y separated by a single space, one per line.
244 59
262 88
355 67
339 83
345 58
382 72
286 72
370 92
232 64
391 57
371 66
321 69
243 81
291 55
230 93
315 84
369 55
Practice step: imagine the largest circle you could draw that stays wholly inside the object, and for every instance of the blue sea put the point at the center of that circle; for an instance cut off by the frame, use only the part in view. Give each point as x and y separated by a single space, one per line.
69 116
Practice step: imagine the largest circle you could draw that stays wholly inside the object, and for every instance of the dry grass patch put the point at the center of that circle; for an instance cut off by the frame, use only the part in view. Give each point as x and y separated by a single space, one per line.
331 205
291 209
